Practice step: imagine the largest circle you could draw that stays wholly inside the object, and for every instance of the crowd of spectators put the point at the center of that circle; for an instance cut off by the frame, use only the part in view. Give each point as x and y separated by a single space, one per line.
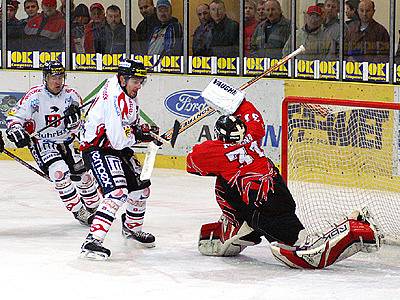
267 30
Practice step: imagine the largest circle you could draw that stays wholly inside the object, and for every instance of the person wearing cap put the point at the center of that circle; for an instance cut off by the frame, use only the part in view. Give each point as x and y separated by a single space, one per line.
46 31
112 127
366 40
166 38
270 36
225 32
94 30
318 45
147 25
81 18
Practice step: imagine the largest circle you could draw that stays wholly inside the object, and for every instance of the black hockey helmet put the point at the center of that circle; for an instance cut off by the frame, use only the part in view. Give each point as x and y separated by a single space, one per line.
53 67
132 68
230 129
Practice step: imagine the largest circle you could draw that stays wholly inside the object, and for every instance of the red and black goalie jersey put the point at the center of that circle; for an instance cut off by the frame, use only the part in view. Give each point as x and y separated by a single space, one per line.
244 166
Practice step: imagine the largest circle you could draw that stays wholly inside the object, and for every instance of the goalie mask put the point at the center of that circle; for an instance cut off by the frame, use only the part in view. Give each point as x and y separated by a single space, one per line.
230 129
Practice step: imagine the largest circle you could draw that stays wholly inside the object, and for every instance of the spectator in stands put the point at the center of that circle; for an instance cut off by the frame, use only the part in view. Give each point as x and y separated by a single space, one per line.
250 24
351 11
225 32
81 18
115 33
261 13
312 36
167 37
46 31
31 8
331 22
94 30
146 27
271 35
202 35
367 40
14 27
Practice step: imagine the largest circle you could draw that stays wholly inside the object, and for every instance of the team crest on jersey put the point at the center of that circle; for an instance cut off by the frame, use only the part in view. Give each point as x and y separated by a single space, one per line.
35 105
52 118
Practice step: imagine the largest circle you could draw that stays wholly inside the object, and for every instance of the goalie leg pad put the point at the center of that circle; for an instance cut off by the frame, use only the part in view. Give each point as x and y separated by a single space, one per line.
224 239
342 241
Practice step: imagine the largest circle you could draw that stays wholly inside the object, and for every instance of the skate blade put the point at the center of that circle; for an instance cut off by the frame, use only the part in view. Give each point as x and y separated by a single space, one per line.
91 255
134 242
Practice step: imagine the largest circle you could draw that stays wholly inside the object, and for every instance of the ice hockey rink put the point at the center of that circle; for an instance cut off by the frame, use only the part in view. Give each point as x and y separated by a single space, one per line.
40 243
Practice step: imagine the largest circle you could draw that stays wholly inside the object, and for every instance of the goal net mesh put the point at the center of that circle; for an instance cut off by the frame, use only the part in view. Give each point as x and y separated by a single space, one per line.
339 157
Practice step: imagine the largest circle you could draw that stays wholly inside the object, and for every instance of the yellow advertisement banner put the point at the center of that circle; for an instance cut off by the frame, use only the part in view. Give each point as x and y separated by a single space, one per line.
306 68
228 65
378 72
85 61
283 70
355 71
328 69
147 60
110 62
20 59
255 65
200 65
171 64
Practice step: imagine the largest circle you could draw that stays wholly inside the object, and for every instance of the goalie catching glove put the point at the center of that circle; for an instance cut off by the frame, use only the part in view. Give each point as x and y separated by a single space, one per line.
143 132
18 135
72 116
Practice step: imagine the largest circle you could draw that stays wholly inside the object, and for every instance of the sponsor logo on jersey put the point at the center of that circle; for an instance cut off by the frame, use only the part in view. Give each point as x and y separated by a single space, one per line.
185 103
54 109
52 118
100 170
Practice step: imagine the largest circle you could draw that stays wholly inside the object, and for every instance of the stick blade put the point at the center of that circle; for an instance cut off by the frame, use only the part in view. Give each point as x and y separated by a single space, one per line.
150 159
175 133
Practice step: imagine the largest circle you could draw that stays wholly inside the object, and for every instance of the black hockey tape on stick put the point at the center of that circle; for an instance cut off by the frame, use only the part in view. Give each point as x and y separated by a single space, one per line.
25 164
175 133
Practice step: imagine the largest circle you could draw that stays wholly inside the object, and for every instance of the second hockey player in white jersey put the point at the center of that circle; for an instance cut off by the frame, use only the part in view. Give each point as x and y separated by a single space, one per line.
111 128
53 148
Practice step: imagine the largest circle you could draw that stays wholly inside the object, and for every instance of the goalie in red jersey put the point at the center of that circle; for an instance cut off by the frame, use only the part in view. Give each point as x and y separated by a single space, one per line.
255 200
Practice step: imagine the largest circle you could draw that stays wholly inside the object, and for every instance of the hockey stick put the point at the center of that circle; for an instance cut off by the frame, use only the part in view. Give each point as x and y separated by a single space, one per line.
172 134
25 164
189 122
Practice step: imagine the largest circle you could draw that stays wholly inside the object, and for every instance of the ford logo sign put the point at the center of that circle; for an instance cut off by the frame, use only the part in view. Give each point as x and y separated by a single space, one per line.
185 103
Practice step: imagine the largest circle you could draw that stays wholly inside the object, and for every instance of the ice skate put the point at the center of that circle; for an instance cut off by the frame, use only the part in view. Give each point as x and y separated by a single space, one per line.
93 249
143 238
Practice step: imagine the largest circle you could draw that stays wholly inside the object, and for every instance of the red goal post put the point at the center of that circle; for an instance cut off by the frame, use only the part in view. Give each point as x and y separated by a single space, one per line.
341 155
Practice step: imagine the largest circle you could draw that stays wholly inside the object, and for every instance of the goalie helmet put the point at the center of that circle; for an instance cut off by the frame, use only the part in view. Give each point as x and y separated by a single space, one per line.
230 129
132 68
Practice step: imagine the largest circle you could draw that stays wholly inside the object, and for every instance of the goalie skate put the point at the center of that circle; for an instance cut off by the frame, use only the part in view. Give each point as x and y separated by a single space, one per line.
93 249
143 238
84 216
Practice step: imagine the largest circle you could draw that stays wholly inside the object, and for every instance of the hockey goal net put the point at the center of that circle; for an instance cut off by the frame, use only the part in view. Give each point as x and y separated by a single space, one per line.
342 155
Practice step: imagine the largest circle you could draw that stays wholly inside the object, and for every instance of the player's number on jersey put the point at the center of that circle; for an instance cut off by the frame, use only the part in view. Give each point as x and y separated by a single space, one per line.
243 156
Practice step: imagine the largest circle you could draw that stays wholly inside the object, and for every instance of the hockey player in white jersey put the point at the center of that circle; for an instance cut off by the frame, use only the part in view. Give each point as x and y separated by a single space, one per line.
53 148
111 128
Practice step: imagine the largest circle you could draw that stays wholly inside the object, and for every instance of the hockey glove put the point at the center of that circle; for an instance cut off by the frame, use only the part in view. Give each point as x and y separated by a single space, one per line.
143 132
18 136
72 116
1 143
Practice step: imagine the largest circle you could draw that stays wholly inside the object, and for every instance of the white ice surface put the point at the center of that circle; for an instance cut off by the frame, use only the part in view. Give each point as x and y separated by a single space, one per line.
40 243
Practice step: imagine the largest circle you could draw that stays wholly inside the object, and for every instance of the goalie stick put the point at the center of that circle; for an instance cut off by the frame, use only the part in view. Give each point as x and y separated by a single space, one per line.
179 127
